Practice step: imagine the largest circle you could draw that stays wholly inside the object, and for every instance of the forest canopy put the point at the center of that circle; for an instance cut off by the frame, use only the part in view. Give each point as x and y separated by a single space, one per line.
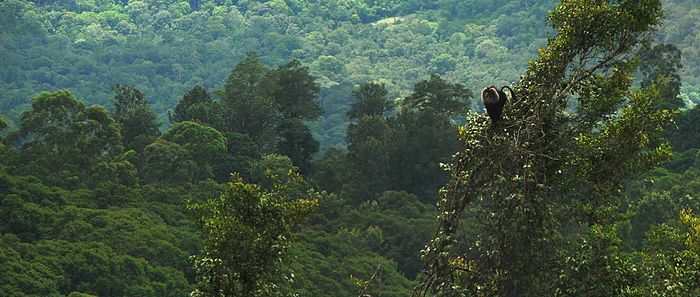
341 148
165 48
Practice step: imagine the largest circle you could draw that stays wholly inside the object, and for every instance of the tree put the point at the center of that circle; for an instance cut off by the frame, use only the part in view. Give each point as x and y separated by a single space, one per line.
688 126
439 95
126 98
296 91
424 140
670 261
540 189
248 106
52 120
241 153
202 143
401 152
660 65
271 168
196 105
136 119
7 156
330 171
247 231
167 162
99 133
396 225
296 141
369 150
269 106
139 127
370 100
61 136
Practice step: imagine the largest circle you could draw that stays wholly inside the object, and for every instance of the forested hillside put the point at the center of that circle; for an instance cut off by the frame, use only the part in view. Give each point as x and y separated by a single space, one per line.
341 148
166 47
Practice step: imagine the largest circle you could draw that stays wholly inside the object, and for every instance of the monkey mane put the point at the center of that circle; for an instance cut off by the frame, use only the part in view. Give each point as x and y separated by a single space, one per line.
490 95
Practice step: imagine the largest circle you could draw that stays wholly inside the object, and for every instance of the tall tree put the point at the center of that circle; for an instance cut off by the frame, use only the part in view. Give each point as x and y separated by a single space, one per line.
126 98
688 124
248 104
167 162
203 144
439 95
370 145
247 231
242 152
60 134
424 140
542 193
370 100
296 91
660 65
52 120
330 171
398 152
297 142
196 105
136 119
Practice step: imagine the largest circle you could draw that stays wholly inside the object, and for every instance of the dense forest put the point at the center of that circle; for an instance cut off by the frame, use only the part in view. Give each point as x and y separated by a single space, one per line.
165 48
341 148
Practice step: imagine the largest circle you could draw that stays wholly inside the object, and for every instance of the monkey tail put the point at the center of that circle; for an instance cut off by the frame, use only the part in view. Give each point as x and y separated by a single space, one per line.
512 93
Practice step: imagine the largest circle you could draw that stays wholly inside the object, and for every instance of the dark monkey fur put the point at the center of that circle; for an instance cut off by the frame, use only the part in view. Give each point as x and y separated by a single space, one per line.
494 101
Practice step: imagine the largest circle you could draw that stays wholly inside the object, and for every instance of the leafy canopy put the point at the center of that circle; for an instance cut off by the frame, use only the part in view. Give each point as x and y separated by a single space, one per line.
548 169
247 231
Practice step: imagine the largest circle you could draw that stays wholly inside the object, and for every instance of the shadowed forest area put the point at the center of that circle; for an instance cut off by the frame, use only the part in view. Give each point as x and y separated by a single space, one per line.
342 148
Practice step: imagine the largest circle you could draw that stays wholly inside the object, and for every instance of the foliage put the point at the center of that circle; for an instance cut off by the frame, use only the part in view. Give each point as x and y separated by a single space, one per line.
135 117
195 105
557 199
370 100
378 145
248 107
296 91
247 230
671 259
662 64
326 261
53 244
242 153
371 142
166 47
108 274
268 105
395 225
330 171
548 171
63 138
167 162
297 143
202 144
440 96
687 124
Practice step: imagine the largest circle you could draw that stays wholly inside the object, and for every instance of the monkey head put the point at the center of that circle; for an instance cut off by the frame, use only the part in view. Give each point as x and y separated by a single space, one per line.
490 95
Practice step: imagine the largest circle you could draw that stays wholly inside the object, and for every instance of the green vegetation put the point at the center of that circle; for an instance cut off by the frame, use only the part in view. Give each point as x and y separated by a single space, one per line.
541 193
247 231
71 179
273 148
165 48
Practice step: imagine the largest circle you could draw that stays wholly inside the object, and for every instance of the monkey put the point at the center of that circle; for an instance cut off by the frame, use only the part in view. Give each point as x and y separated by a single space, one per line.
494 101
